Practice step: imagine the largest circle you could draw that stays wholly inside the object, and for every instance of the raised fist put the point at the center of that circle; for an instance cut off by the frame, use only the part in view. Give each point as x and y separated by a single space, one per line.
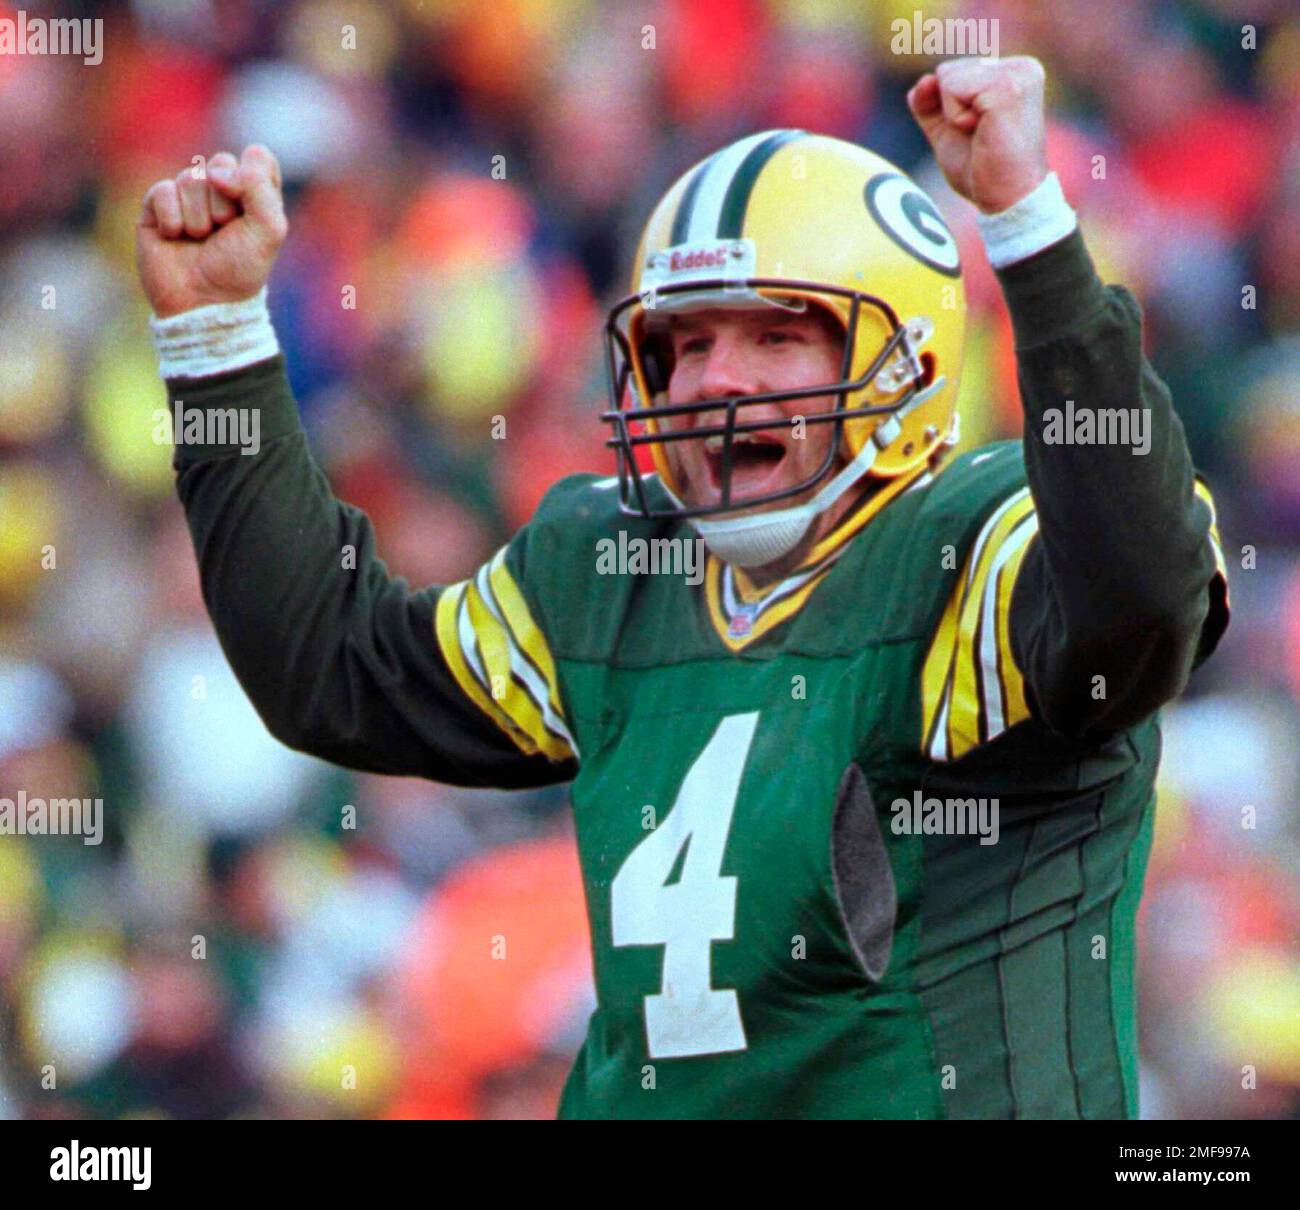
986 124
211 238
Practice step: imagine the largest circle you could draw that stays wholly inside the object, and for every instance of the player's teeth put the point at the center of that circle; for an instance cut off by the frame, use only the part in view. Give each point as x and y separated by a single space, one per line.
715 443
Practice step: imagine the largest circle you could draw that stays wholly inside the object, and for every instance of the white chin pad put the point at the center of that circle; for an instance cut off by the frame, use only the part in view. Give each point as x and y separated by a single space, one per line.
772 536
759 538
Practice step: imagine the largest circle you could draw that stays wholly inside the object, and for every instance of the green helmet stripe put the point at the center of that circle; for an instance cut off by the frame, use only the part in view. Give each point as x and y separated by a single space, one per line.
731 220
682 219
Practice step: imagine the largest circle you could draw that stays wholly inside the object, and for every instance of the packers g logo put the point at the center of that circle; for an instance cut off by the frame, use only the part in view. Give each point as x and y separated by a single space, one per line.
910 219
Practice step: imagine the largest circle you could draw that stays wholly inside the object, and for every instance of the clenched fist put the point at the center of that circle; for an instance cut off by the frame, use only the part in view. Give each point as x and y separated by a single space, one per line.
987 127
212 240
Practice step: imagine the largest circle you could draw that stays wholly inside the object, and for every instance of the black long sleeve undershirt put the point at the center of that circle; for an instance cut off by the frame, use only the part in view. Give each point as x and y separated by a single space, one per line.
337 656
1121 581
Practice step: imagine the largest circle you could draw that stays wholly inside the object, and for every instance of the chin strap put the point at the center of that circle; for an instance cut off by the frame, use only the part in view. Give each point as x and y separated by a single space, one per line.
760 538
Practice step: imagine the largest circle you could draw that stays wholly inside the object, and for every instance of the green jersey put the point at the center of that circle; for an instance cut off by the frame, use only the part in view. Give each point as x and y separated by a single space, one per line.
782 921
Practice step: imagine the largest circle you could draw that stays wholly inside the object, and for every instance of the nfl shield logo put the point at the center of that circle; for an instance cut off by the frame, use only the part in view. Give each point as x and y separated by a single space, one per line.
741 623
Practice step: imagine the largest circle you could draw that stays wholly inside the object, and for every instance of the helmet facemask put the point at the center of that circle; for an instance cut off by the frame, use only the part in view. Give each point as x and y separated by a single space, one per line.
869 391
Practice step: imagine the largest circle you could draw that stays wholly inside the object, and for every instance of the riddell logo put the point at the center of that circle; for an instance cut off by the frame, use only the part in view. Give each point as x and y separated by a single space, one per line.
705 260
729 259
700 258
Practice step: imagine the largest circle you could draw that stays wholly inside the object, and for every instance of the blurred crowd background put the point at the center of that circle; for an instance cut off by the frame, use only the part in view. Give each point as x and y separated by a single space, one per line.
478 173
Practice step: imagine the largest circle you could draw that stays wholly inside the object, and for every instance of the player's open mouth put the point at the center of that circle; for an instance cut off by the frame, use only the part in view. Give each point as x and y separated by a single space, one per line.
755 462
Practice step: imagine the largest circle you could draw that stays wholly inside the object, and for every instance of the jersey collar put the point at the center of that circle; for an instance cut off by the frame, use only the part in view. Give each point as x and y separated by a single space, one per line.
742 612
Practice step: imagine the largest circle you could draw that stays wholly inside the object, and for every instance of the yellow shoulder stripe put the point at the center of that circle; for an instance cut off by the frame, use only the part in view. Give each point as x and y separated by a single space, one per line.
1013 682
1215 541
521 624
500 659
451 605
971 689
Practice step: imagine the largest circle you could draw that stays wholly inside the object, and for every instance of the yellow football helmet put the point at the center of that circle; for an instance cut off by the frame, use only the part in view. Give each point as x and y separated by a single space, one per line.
790 219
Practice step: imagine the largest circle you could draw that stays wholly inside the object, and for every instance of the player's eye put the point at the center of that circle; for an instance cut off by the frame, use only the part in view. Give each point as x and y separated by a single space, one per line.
779 336
692 344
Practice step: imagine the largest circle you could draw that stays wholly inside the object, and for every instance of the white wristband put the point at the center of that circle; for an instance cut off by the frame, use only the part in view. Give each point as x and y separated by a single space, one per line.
214 339
1037 221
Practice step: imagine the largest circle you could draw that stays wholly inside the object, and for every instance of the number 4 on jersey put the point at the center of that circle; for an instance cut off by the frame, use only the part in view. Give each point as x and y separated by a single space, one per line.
688 1016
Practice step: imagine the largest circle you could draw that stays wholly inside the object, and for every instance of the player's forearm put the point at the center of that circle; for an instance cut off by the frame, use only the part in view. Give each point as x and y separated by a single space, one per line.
271 545
1115 586
337 656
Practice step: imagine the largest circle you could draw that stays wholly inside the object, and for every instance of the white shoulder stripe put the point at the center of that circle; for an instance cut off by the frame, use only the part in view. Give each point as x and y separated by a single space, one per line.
994 706
521 666
939 745
977 550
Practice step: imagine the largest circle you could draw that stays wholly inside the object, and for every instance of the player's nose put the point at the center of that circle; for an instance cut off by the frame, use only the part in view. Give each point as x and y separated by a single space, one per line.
725 373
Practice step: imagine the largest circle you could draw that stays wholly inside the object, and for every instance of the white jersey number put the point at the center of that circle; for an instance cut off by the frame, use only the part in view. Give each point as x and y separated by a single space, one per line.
688 1016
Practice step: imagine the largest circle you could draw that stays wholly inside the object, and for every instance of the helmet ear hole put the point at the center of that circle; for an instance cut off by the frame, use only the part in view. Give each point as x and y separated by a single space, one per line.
927 369
656 364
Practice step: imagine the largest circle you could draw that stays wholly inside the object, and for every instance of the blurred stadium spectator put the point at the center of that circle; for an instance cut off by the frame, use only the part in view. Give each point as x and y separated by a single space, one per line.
476 174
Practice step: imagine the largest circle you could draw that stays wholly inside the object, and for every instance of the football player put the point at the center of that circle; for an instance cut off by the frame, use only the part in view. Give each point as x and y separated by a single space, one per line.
863 816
